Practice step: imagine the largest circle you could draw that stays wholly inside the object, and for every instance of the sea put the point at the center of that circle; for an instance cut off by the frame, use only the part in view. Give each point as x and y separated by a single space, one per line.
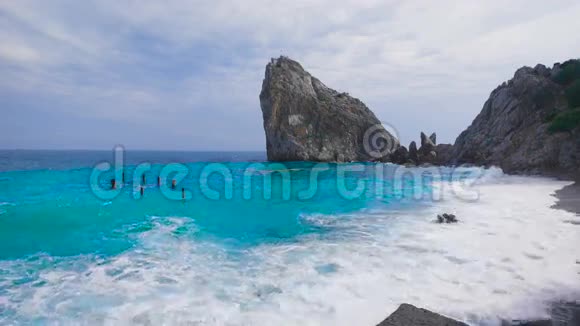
242 241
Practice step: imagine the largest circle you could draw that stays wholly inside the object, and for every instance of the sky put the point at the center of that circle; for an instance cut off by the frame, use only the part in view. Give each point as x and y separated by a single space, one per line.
186 75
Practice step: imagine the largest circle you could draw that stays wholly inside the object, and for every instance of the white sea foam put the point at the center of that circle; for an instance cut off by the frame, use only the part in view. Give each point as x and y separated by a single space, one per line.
509 255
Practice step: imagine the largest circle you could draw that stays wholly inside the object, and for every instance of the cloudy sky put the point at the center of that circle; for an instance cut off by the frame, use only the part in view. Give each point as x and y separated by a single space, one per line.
186 75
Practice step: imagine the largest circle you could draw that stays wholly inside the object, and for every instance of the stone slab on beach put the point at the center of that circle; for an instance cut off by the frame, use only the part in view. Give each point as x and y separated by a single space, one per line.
409 315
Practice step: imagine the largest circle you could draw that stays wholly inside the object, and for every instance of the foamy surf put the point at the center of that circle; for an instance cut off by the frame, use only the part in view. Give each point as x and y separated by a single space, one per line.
508 257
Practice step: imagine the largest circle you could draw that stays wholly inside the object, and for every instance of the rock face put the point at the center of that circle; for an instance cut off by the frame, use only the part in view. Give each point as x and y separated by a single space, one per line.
400 156
427 152
413 156
512 130
304 120
444 154
409 315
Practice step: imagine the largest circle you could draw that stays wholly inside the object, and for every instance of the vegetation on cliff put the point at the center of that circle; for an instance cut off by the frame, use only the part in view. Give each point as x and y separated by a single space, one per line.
565 121
568 76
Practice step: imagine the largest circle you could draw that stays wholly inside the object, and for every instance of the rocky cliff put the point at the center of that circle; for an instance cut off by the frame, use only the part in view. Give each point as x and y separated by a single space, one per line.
529 124
304 120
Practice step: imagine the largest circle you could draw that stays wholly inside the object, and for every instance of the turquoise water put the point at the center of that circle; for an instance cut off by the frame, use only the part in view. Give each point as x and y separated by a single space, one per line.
67 256
50 217
55 211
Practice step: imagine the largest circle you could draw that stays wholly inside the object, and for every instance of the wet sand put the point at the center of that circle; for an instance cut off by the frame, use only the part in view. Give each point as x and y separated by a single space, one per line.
568 198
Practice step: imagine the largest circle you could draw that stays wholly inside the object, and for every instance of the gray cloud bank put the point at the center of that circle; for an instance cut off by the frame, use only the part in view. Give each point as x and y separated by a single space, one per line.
187 74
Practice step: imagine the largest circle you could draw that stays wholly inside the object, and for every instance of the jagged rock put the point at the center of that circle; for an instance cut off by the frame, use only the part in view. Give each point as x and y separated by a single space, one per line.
556 69
400 156
424 139
433 138
304 120
409 315
512 129
413 152
427 152
444 154
427 145
542 70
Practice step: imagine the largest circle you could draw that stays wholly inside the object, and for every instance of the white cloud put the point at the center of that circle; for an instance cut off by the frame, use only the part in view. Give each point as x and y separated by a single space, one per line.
150 60
19 53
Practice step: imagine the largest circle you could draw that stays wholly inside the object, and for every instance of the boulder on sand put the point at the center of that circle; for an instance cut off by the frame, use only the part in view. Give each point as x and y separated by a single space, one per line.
409 315
446 218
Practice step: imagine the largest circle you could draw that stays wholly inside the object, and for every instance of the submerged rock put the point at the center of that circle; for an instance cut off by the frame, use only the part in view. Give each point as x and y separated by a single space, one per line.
304 120
409 315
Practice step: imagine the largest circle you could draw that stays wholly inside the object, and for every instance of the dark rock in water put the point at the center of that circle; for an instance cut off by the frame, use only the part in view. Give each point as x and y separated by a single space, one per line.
426 142
513 129
444 154
413 156
446 218
427 152
428 157
433 138
408 315
400 156
304 120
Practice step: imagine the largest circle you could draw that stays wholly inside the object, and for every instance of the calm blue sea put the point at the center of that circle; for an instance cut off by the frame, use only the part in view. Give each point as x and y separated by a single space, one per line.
70 257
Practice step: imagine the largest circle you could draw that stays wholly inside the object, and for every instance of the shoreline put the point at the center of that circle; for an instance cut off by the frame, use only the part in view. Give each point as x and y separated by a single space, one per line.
560 312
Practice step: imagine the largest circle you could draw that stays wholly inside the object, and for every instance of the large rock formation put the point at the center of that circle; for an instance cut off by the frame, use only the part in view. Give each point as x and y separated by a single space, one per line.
304 120
528 125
